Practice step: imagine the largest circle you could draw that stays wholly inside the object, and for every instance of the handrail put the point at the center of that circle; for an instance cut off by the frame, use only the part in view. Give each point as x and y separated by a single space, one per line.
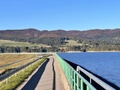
97 80
76 81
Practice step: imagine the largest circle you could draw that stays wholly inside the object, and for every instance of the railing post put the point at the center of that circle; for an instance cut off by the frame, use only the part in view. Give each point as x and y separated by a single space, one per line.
78 83
81 84
6 80
74 81
87 87
69 74
70 77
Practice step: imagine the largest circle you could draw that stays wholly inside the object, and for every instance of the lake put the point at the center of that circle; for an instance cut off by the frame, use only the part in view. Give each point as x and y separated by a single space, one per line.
104 64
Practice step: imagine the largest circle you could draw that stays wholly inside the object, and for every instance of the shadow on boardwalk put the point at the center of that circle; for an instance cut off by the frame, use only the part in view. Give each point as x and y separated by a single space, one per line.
32 83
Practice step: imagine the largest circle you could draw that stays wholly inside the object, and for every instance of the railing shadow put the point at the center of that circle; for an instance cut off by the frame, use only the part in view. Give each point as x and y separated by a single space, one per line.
32 83
54 76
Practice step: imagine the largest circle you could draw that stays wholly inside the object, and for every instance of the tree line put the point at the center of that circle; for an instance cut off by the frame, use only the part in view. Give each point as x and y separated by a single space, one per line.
10 49
83 48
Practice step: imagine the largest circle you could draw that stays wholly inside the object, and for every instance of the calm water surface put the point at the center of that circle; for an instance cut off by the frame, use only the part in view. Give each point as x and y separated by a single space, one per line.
104 64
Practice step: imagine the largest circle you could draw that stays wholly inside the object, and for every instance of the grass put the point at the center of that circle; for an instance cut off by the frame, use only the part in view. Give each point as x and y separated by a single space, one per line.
72 43
20 44
15 81
9 58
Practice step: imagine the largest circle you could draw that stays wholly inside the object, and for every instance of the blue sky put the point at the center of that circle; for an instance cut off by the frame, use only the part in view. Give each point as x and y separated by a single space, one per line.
59 14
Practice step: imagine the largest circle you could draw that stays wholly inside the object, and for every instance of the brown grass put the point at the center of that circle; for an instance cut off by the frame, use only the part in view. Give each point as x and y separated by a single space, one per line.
9 58
20 44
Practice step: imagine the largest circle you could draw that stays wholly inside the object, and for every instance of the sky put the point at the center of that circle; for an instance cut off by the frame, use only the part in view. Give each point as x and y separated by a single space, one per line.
59 14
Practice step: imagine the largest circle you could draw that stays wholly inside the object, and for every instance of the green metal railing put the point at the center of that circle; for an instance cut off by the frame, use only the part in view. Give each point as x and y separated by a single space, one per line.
76 81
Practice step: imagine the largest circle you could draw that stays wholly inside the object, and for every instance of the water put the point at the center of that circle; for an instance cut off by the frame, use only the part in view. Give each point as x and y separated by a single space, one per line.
104 64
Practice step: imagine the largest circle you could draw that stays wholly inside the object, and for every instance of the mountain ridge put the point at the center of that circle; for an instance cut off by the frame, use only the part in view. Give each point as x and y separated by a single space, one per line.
31 33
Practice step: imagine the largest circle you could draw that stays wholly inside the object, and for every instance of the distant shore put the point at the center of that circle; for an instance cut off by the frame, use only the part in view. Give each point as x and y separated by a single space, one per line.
91 51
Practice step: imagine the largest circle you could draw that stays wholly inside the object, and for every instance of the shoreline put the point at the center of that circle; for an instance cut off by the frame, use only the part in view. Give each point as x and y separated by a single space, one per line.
89 51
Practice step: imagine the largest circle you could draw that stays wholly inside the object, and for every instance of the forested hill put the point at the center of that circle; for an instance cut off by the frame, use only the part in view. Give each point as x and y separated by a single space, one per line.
61 40
30 33
56 36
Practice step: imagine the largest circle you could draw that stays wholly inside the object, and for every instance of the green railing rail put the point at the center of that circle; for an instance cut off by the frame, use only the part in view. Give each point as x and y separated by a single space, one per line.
101 83
76 81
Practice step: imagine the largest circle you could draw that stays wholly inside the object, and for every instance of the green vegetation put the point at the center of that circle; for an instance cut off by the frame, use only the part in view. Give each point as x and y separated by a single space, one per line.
32 40
15 81
68 45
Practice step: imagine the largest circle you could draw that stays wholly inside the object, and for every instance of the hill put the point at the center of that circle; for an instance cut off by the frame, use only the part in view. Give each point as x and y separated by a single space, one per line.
27 34
30 33
96 38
